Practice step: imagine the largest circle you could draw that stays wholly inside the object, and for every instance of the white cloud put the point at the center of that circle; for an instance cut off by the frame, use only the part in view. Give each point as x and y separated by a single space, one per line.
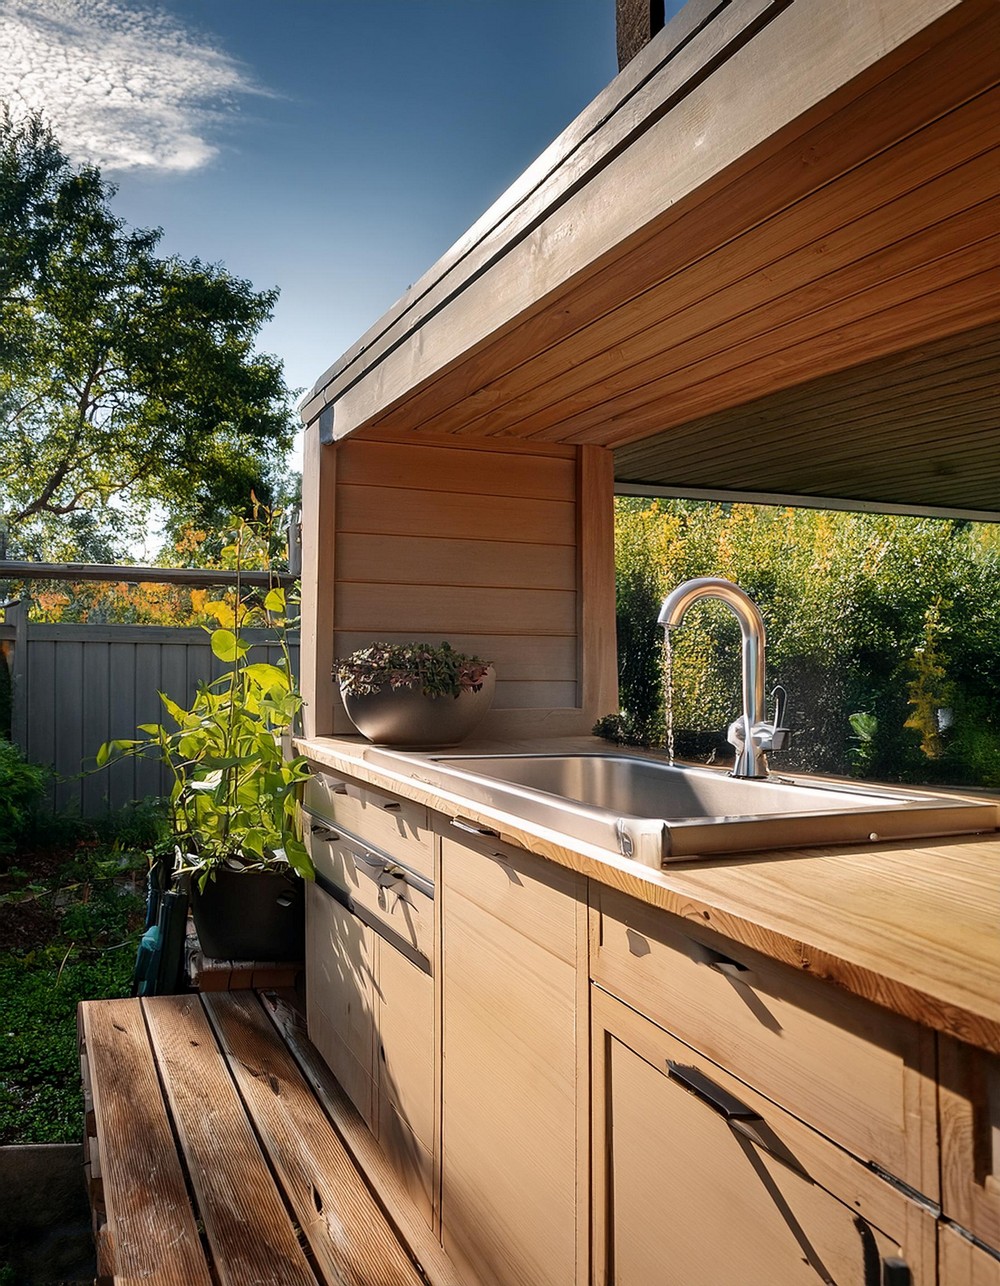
124 85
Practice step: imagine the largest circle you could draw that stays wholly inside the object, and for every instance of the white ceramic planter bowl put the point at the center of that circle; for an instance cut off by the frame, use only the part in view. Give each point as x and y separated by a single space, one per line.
405 717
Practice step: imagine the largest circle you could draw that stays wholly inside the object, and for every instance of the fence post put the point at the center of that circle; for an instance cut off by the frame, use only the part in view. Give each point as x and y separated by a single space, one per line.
19 677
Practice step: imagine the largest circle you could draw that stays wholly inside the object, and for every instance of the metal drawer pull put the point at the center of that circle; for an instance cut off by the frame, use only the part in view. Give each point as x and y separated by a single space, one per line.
392 806
369 860
338 788
461 824
720 1100
740 1118
730 968
323 832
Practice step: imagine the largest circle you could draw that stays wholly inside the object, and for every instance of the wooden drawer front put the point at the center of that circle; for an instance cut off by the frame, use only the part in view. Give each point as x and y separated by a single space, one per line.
858 1073
382 891
961 1263
969 1100
340 995
535 897
700 1181
398 826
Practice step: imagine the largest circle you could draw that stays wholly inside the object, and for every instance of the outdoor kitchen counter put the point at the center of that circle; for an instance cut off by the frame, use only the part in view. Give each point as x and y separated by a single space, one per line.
912 925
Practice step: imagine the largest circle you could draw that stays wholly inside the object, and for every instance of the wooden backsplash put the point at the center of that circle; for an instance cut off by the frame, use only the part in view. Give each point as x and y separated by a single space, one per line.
502 551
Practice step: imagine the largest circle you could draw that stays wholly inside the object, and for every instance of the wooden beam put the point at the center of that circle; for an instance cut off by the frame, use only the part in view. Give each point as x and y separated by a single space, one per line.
838 503
457 262
130 574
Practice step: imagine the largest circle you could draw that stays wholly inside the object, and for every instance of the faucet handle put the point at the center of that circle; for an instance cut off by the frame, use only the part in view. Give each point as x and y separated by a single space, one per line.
780 735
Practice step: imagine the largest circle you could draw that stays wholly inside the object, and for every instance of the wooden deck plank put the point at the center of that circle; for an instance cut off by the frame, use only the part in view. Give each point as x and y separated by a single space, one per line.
150 1223
248 1227
358 1139
347 1230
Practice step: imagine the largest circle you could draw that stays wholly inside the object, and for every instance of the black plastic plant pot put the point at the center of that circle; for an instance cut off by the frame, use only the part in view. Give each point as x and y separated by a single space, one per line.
250 915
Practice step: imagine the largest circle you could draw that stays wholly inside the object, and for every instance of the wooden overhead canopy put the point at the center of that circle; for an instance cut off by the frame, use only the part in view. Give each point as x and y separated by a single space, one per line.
766 259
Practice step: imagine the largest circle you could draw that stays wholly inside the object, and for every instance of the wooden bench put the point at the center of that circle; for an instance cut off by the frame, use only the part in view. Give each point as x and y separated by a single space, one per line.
219 1149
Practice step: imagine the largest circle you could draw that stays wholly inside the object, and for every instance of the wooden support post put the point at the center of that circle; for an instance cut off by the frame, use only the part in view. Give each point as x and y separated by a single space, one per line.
317 652
598 664
19 676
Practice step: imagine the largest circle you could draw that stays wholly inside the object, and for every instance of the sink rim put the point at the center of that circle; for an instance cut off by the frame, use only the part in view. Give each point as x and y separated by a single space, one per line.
883 813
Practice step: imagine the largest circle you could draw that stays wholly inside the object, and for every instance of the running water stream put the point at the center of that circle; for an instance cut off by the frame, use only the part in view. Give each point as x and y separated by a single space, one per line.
668 695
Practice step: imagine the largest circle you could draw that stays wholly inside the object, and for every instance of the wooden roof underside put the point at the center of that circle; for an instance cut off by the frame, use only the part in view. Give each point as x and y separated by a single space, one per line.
766 259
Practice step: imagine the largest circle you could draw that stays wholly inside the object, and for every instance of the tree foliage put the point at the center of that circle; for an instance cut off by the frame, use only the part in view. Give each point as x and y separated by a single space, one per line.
127 379
884 630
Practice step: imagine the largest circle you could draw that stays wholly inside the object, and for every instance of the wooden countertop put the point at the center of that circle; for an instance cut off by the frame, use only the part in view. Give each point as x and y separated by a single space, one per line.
912 925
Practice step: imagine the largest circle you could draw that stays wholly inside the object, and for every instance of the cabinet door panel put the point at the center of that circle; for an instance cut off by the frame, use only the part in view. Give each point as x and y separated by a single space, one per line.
861 1075
409 1158
340 1016
509 1110
969 1095
406 1043
687 1197
963 1264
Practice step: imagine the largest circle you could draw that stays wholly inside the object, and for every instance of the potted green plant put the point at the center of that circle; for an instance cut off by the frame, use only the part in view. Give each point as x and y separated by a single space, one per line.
232 805
415 694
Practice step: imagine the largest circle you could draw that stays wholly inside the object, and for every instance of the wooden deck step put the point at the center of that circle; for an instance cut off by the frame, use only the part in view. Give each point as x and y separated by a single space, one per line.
212 1157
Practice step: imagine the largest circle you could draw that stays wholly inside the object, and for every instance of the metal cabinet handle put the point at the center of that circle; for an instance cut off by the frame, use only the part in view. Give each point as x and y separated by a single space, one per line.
323 832
740 1118
368 859
461 824
718 1099
724 965
392 806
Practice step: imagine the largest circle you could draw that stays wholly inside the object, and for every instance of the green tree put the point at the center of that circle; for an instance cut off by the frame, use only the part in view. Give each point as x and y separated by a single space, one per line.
884 630
127 379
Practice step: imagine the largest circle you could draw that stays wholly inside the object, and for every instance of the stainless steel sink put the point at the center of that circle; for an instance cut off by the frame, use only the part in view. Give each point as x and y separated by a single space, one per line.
656 812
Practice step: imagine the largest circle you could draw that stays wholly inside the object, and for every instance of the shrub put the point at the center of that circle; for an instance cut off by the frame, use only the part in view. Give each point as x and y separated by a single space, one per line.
22 786
895 617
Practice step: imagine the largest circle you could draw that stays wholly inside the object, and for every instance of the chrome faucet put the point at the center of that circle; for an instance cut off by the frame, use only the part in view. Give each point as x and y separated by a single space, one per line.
751 734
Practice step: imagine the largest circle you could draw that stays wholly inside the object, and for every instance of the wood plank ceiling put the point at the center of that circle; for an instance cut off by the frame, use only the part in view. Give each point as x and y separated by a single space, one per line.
920 428
820 316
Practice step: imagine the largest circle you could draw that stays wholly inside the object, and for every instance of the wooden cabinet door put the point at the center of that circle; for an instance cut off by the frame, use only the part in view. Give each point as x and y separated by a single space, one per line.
340 995
509 1071
969 1098
961 1263
700 1181
405 1073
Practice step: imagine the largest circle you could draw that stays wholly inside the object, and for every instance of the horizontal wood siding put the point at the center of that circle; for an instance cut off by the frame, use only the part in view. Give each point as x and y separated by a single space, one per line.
477 546
78 686
503 564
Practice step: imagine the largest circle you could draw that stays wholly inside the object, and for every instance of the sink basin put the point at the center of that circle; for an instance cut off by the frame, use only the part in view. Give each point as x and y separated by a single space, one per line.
655 812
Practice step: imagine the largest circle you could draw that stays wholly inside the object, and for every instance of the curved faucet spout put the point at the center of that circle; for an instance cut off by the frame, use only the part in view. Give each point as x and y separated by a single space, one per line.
745 732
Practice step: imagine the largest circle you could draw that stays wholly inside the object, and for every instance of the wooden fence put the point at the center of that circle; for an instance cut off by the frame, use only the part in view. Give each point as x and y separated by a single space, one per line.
77 686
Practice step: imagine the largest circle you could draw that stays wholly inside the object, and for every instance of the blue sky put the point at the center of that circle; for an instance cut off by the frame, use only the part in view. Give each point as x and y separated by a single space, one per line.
332 148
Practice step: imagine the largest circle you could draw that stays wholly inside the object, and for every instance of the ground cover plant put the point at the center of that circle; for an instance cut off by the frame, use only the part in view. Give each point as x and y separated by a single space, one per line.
884 630
72 908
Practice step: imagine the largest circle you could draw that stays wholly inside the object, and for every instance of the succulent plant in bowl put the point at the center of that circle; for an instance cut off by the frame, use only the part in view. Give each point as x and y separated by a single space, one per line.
414 694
